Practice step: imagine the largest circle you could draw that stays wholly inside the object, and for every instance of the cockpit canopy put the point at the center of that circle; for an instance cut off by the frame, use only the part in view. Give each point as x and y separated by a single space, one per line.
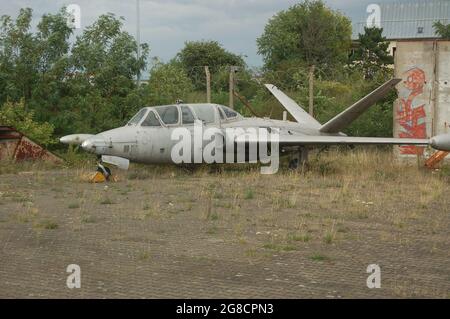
183 114
138 117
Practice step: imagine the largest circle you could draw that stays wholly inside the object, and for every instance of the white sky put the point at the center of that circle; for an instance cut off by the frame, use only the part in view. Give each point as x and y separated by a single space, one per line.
167 24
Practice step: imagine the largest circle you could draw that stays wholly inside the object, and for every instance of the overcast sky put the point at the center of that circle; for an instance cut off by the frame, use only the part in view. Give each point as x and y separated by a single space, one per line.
167 24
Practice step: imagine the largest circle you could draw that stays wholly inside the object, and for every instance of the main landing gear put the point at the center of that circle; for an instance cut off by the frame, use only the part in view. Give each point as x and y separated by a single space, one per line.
299 157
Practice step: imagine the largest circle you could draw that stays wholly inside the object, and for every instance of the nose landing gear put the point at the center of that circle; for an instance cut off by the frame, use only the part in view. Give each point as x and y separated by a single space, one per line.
102 175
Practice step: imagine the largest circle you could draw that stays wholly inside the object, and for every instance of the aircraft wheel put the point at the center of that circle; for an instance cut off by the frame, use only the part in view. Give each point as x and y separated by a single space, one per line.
105 170
294 163
108 172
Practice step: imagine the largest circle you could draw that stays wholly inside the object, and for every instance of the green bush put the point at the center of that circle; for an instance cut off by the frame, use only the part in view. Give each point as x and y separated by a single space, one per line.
15 115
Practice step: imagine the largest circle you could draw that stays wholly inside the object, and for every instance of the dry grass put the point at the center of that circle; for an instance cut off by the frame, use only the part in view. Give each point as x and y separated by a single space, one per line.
362 185
341 201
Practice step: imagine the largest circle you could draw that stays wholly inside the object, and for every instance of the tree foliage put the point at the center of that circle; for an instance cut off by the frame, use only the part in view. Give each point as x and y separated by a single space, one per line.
309 33
105 56
15 115
104 64
19 57
85 87
168 83
371 55
443 30
51 85
197 54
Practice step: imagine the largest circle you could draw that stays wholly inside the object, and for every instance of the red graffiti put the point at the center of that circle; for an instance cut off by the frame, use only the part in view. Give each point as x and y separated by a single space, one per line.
412 119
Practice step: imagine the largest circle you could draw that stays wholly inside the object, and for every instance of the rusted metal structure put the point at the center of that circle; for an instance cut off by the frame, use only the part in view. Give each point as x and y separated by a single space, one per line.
423 107
16 146
435 159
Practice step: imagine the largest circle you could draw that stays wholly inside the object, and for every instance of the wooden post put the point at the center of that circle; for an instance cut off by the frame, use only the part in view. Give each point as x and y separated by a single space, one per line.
311 90
208 85
232 83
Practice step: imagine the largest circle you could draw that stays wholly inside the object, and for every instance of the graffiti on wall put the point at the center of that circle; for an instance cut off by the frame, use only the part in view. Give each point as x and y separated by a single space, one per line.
411 115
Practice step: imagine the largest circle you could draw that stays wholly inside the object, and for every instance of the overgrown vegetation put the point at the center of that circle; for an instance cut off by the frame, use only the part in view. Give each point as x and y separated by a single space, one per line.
51 86
15 115
84 87
443 30
168 82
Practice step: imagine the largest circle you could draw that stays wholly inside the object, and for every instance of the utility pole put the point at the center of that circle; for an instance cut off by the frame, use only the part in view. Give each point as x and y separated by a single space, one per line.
311 90
208 85
233 70
138 39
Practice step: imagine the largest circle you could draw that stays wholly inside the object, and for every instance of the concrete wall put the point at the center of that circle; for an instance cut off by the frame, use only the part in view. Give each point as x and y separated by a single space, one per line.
423 107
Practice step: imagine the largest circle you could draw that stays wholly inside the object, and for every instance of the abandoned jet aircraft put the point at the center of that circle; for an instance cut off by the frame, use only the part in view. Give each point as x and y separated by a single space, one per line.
147 137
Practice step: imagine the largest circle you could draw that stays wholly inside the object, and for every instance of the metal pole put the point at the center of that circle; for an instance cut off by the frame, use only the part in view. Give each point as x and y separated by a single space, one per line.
208 84
138 39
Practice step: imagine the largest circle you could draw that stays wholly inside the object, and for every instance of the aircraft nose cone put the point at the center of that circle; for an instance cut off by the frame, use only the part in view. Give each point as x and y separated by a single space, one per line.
65 140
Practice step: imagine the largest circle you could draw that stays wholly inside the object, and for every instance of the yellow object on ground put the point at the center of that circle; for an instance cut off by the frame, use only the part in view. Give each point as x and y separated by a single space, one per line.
98 178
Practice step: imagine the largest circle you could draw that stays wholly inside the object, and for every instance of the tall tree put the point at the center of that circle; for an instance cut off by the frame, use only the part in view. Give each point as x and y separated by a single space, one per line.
196 54
52 38
52 43
19 57
85 87
309 33
372 53
104 66
168 82
105 55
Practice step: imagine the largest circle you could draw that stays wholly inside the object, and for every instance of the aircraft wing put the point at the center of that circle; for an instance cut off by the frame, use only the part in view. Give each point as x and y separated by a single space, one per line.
297 112
294 140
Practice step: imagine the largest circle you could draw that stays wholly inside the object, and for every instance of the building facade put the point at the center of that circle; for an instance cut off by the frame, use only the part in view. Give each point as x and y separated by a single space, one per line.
422 61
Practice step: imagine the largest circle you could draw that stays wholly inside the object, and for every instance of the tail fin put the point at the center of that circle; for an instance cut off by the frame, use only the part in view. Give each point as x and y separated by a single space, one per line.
297 112
341 121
